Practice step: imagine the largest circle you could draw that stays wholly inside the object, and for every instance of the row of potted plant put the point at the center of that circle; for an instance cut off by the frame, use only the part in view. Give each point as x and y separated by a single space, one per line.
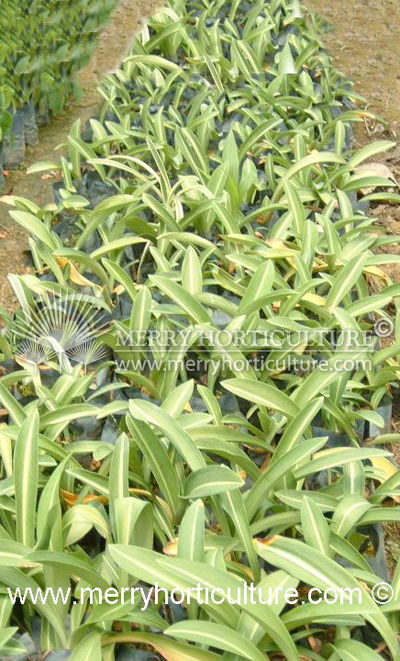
217 202
39 58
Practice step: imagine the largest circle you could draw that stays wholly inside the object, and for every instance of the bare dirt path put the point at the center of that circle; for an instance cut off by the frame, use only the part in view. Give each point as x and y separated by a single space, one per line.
113 46
365 46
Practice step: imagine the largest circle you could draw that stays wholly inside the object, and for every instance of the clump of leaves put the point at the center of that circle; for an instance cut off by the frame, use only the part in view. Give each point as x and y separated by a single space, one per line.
217 193
42 46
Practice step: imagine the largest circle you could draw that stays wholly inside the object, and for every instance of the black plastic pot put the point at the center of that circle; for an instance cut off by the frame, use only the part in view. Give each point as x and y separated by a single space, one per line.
42 112
87 134
14 144
377 560
26 640
338 439
30 126
86 428
42 119
335 440
110 433
385 410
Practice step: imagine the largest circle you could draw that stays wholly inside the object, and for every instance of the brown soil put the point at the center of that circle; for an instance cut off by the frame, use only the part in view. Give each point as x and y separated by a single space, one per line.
113 46
365 46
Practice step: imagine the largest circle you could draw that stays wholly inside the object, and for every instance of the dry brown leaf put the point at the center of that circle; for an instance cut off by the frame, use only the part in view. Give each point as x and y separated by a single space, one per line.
71 498
74 274
171 549
374 170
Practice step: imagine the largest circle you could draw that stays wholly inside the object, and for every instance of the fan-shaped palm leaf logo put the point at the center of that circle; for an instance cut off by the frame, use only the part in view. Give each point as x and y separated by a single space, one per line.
64 328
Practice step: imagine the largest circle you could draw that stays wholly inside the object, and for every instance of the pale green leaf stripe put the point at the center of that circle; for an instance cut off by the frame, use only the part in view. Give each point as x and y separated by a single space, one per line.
306 162
285 464
71 564
216 635
144 564
315 526
148 412
294 499
159 462
88 649
326 613
181 297
118 476
68 413
263 395
337 457
191 538
354 479
50 497
94 480
176 401
141 313
348 512
26 476
116 244
192 278
370 150
134 522
104 612
297 427
169 649
346 279
234 504
210 481
12 553
260 284
312 567
9 646
195 572
227 450
34 226
352 650
121 276
13 407
156 61
317 381
380 515
172 573
15 578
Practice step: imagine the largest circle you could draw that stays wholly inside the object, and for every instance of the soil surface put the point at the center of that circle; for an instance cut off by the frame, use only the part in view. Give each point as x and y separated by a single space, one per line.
113 46
364 43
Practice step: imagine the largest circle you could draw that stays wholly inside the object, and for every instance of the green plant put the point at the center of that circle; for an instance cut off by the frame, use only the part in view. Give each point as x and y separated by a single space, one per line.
218 201
40 55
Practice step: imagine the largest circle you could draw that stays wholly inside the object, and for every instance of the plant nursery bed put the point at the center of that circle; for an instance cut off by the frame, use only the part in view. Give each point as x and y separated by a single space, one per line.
195 385
112 45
